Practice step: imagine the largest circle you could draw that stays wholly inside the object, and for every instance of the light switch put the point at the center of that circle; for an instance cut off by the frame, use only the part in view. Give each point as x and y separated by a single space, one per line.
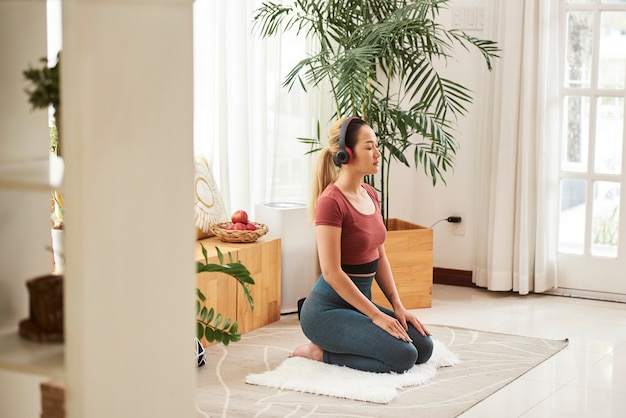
458 17
470 17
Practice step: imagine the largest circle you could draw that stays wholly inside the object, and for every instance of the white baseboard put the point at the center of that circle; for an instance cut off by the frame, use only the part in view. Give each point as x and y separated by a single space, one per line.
586 294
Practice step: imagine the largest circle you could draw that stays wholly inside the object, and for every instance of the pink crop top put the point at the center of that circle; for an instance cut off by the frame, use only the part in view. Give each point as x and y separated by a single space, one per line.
361 235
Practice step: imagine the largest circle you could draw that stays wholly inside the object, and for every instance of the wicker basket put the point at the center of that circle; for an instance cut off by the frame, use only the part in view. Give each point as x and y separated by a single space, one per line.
232 235
45 323
46 302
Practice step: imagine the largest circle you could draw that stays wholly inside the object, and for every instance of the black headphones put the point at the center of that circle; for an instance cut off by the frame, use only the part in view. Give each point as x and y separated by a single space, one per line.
344 155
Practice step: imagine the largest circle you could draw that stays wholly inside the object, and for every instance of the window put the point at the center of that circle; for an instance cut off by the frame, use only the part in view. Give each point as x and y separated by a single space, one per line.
593 91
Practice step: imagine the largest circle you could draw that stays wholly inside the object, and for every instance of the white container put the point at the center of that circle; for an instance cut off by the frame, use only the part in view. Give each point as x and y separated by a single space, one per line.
58 250
299 268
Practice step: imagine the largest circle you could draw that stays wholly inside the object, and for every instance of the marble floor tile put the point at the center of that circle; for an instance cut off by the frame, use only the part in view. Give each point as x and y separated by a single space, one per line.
587 379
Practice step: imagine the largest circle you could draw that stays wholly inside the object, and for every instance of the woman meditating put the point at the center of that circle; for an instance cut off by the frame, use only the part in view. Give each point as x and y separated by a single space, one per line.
338 316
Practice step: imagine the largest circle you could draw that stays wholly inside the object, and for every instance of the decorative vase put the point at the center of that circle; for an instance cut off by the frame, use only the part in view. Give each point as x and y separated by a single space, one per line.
58 250
57 168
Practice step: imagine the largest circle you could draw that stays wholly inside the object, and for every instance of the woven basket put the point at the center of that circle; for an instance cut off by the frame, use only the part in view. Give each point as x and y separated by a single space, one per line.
46 302
229 235
45 321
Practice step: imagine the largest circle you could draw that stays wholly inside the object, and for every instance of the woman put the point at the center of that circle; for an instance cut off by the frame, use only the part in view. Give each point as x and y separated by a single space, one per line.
344 325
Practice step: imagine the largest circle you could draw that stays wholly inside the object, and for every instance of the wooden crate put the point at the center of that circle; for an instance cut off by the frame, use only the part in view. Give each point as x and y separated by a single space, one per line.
219 289
263 259
409 248
264 262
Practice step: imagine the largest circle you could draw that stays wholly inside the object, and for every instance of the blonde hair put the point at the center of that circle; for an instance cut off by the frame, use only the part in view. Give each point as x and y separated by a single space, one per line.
326 172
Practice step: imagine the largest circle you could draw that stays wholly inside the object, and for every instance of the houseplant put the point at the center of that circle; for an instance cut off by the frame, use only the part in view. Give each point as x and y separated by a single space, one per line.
381 59
44 92
212 326
45 322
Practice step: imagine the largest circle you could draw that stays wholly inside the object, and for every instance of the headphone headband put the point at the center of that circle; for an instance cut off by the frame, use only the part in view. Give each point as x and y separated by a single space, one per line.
344 155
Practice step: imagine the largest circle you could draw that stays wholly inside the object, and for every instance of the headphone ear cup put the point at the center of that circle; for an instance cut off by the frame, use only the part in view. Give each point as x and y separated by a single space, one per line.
349 156
343 157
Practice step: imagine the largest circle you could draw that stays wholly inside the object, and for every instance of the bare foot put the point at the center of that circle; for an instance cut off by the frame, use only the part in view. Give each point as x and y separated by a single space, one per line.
310 351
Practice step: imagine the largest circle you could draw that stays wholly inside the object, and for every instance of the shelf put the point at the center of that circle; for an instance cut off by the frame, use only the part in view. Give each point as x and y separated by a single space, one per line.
23 356
32 175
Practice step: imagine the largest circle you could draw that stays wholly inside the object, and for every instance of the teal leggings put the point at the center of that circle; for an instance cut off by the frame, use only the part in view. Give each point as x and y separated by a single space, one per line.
351 339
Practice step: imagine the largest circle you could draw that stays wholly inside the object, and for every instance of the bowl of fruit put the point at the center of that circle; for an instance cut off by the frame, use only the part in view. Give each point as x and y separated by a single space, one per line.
239 229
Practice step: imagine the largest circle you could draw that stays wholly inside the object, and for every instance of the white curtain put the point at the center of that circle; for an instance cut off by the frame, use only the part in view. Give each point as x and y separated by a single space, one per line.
518 192
245 122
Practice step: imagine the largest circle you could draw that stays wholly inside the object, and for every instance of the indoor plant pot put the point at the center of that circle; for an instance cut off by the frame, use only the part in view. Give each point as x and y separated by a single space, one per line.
409 248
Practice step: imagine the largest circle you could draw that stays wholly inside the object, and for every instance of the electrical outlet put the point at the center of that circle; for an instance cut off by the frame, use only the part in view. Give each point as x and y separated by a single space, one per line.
458 228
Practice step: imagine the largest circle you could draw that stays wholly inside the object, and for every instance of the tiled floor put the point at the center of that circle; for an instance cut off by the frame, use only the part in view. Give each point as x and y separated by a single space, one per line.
586 379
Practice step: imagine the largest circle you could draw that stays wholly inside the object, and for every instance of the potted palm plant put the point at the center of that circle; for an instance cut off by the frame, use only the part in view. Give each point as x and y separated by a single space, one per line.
382 60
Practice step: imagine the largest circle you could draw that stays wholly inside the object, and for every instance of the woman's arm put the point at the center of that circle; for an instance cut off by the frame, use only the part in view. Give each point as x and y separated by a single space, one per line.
329 251
384 278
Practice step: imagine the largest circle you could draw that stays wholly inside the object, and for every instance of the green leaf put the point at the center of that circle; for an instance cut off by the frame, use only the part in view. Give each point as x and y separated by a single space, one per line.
199 330
209 334
227 323
204 253
218 320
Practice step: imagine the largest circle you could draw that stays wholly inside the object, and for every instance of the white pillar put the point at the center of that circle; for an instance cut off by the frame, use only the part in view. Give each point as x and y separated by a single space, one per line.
126 76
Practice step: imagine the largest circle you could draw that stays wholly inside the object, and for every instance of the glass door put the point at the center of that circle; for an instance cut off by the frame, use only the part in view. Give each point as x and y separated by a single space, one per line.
592 242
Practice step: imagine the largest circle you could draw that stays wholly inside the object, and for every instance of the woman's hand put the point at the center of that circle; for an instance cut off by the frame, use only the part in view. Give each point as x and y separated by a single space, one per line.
392 326
405 317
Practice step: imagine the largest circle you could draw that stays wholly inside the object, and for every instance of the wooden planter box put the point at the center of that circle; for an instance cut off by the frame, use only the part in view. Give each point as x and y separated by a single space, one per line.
263 259
409 248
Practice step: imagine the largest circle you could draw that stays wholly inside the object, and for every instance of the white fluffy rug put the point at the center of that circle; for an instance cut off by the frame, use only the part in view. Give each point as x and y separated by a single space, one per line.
303 375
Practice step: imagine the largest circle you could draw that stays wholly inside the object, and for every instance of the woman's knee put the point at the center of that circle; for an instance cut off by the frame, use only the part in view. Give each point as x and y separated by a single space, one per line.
405 357
424 348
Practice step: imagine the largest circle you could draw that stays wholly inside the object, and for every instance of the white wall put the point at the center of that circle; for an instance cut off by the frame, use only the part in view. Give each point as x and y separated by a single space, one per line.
413 196
24 215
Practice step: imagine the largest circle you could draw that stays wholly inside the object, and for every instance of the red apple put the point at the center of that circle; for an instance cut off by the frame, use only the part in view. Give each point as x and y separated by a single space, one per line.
239 226
230 227
251 227
239 216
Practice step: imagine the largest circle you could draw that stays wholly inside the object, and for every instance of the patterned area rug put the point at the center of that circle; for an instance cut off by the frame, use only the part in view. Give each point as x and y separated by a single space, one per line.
488 361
